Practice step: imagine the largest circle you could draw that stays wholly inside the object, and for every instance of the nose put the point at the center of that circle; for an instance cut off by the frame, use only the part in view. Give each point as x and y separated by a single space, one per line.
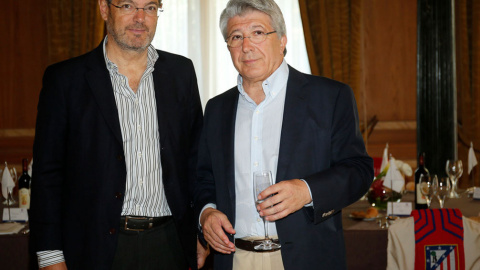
247 44
139 15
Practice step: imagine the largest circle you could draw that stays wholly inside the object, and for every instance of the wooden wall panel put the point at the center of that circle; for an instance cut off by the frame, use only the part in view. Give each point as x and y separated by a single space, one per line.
23 51
390 70
390 36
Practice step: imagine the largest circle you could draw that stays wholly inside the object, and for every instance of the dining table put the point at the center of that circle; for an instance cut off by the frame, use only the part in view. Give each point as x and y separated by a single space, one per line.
366 241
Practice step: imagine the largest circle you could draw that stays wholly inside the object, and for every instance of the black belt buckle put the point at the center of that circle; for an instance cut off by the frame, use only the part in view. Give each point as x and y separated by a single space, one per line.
136 218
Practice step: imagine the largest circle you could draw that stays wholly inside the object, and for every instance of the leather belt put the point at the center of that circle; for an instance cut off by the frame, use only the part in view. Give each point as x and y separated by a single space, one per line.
249 245
136 223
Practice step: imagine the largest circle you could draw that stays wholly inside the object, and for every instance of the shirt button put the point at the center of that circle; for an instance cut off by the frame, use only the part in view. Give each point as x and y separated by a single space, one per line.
257 111
255 164
139 127
259 219
112 231
139 154
118 195
140 181
256 138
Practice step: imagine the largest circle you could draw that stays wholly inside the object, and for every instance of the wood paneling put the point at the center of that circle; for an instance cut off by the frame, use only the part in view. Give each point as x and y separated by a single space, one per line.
23 51
389 33
389 49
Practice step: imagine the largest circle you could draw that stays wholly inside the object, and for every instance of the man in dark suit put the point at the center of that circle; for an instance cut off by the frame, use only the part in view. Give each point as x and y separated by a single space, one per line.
302 128
115 152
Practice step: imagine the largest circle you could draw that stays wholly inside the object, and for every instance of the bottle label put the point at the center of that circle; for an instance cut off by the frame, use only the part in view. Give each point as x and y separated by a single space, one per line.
420 198
24 198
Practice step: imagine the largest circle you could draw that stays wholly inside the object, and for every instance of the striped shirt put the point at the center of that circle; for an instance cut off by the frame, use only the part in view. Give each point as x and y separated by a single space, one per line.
137 113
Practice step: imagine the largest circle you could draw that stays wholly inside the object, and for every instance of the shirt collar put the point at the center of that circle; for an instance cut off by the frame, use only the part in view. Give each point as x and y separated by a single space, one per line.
273 84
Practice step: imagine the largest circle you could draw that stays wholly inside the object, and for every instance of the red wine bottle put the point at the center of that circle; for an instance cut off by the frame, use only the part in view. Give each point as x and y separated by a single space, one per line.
24 186
420 201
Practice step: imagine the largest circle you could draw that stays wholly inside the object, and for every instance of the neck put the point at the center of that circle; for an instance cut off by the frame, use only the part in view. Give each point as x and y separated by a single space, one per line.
254 90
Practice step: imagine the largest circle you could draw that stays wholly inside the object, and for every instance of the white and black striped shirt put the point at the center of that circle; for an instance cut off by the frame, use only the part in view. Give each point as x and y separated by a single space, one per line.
137 113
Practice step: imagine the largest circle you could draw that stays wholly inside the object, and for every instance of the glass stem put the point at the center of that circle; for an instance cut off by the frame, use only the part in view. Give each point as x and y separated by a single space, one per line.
265 224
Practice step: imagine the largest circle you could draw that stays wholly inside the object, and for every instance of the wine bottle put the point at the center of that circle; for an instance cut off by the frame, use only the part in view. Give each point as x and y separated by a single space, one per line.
420 201
24 187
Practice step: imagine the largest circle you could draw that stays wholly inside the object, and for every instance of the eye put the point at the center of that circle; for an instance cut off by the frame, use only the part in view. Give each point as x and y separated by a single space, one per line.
258 33
236 37
151 8
127 7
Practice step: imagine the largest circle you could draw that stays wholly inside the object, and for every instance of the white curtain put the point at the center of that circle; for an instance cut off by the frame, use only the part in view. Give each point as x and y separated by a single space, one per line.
190 28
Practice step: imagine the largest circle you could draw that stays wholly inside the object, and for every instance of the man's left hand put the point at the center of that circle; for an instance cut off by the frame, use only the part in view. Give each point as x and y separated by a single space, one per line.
202 254
289 196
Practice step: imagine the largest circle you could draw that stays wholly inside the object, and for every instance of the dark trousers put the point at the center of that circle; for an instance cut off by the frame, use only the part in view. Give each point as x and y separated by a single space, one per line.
154 249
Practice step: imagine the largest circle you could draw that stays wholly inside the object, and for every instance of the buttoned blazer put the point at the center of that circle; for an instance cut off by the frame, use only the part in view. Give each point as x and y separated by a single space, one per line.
79 162
320 142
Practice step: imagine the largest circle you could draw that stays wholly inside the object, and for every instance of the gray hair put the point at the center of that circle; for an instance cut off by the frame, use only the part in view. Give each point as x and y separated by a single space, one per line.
241 7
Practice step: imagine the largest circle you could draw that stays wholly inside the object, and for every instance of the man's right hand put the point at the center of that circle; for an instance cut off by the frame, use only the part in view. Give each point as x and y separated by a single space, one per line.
58 266
214 225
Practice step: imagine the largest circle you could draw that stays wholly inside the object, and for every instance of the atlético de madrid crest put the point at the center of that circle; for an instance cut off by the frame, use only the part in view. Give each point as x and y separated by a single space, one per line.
441 257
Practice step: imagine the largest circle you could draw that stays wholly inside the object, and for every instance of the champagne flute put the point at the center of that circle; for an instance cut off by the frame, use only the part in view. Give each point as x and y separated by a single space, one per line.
427 187
261 181
454 169
443 189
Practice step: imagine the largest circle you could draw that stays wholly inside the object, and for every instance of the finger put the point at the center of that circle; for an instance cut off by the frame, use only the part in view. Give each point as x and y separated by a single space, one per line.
273 209
278 215
270 191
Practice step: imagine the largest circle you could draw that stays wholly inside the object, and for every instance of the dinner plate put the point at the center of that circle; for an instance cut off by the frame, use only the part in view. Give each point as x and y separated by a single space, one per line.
364 219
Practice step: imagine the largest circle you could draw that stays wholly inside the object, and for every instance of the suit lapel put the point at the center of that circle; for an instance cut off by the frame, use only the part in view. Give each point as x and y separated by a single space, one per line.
228 143
165 97
100 84
294 115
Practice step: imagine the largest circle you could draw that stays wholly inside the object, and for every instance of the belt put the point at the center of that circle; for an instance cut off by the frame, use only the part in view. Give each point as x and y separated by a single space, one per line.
136 223
249 245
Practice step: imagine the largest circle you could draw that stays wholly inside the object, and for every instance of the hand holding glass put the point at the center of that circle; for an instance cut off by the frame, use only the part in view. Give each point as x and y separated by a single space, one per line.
427 187
454 169
261 181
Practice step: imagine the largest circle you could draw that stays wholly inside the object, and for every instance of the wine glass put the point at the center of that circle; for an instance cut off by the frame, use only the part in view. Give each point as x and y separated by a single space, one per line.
443 189
261 181
427 187
454 169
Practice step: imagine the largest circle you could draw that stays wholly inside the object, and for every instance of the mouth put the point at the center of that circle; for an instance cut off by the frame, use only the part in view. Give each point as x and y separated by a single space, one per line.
249 61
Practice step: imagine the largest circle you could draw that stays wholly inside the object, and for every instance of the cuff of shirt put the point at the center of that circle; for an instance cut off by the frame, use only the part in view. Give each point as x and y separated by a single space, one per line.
49 257
208 205
311 203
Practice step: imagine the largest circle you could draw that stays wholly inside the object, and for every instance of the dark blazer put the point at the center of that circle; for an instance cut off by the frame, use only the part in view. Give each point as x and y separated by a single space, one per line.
79 167
320 142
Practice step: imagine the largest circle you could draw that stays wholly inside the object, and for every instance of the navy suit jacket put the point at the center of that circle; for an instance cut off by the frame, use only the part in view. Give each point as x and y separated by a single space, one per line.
79 167
320 142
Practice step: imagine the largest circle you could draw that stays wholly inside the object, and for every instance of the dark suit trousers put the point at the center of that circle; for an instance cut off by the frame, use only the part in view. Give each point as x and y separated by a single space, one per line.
155 249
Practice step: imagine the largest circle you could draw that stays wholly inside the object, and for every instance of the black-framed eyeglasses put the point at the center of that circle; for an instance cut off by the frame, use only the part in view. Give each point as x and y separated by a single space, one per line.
257 37
129 9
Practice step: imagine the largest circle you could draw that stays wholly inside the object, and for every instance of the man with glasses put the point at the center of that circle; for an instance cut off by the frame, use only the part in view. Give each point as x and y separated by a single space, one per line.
301 128
115 152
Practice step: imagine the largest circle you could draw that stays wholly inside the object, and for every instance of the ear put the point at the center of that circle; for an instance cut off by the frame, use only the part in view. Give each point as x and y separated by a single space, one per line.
104 11
283 42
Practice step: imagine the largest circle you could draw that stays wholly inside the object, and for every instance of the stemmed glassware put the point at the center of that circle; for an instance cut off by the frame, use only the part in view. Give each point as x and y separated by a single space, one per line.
454 169
443 189
428 187
261 181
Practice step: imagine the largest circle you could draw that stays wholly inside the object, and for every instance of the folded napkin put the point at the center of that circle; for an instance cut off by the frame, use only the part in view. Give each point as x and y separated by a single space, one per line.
7 181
